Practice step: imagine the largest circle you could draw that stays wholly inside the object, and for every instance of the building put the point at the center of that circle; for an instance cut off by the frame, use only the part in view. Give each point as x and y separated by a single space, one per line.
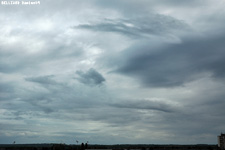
221 141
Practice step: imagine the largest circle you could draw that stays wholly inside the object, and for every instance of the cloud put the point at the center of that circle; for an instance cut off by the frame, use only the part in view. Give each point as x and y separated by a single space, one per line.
146 104
153 24
174 64
175 45
42 79
6 89
91 77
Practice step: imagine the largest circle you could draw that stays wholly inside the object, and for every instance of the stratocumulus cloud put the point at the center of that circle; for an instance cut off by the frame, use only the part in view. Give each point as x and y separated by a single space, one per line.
112 72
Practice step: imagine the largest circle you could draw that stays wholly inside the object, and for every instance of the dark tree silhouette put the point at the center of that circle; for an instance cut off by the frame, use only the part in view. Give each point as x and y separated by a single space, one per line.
86 146
82 146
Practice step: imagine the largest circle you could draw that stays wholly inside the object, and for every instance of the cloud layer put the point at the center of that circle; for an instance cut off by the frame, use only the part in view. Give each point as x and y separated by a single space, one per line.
112 72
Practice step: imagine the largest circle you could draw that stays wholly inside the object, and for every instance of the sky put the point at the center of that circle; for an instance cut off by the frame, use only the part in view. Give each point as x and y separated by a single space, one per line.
112 71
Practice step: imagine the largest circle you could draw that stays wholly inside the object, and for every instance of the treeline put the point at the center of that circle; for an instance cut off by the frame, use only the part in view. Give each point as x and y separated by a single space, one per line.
86 146
154 147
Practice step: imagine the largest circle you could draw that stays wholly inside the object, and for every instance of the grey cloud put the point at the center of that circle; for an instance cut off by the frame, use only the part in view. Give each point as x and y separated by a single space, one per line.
47 108
12 62
61 94
146 104
6 88
44 48
119 4
43 107
8 61
91 77
191 3
195 111
7 68
114 116
111 27
174 64
42 79
153 24
125 113
8 91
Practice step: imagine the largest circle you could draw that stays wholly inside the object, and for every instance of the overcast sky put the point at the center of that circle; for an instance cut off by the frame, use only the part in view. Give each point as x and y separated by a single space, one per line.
112 71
